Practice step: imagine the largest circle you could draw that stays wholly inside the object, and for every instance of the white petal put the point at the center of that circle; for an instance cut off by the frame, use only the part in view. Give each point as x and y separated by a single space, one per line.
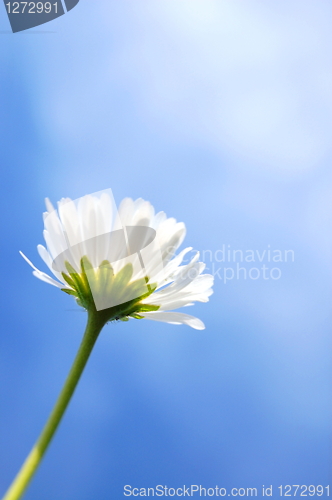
70 220
190 273
175 318
143 215
177 301
48 279
158 219
28 261
42 276
170 235
126 212
200 284
166 275
49 206
48 261
56 238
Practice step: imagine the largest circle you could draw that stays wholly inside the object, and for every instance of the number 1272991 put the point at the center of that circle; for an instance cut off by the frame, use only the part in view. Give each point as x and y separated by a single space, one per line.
31 7
302 490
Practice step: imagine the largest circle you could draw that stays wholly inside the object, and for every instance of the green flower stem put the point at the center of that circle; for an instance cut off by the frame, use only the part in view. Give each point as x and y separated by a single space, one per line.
21 481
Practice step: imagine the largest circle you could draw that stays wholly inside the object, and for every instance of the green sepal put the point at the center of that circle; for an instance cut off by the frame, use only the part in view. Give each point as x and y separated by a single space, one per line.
68 280
136 316
147 308
70 292
85 266
76 277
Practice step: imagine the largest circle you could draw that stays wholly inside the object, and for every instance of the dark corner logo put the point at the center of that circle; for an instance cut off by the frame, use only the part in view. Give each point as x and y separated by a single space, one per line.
25 15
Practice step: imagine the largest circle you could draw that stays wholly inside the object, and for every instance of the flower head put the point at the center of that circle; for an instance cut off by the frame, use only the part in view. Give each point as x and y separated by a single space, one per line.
122 263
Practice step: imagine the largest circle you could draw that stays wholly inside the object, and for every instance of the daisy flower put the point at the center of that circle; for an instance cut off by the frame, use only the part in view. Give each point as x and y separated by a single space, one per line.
117 264
122 263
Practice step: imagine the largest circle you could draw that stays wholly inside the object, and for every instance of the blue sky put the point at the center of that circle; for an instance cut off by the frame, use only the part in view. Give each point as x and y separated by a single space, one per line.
219 113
